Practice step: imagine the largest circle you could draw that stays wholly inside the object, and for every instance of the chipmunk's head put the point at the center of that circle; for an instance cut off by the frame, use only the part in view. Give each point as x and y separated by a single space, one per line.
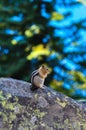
44 71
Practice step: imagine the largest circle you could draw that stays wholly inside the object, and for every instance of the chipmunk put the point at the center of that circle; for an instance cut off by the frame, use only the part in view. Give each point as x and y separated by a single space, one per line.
38 77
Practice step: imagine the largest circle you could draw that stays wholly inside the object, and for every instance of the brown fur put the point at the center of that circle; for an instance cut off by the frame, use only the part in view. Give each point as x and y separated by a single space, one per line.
43 71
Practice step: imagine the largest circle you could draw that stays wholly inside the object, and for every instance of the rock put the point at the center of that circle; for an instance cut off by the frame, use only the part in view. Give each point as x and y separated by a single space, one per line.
43 109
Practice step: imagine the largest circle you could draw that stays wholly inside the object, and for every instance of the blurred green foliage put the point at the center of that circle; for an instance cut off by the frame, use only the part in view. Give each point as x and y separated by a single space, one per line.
27 40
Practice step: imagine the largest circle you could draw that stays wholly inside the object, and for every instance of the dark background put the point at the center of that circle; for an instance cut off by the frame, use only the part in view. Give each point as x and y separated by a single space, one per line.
51 32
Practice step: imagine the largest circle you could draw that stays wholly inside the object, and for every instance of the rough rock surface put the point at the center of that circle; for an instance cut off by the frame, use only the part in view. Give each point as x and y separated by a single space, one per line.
43 109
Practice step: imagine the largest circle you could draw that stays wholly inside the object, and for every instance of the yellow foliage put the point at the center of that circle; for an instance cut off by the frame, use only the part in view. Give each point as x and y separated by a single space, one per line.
28 33
82 1
83 86
38 51
27 48
34 29
56 84
78 76
74 43
14 42
56 16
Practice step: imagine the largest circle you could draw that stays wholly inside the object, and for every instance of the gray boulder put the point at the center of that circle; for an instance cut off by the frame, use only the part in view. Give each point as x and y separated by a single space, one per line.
43 109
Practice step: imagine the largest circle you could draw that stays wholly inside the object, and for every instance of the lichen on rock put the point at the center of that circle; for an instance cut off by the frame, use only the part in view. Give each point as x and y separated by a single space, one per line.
22 109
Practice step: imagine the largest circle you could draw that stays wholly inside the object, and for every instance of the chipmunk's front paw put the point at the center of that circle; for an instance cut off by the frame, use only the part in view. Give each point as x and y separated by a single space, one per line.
42 87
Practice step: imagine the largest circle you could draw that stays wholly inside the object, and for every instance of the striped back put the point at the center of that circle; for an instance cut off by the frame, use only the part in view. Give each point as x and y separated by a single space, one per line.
34 73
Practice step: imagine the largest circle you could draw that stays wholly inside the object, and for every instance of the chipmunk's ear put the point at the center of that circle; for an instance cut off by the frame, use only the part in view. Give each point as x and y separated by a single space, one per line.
43 66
